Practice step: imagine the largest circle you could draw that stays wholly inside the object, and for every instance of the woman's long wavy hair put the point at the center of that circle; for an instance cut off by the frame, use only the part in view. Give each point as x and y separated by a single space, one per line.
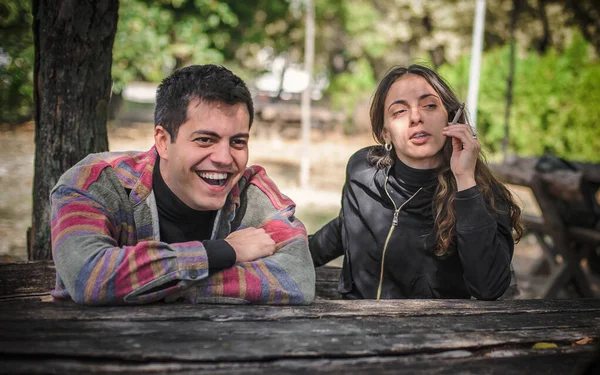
444 210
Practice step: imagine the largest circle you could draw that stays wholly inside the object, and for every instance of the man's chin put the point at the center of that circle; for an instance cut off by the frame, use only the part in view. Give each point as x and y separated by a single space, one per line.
213 204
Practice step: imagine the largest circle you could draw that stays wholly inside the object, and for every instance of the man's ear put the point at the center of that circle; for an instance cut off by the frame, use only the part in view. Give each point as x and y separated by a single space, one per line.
162 139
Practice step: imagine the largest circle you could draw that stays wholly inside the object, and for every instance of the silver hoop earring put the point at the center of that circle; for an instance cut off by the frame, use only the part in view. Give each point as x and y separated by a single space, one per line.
388 147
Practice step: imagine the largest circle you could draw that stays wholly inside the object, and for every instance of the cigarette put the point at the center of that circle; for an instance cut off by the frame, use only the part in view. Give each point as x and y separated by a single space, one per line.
458 113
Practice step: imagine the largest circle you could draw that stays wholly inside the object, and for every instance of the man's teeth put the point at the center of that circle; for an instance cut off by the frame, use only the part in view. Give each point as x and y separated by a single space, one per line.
213 176
216 179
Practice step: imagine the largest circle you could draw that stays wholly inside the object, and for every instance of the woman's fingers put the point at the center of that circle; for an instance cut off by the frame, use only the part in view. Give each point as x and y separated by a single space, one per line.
464 134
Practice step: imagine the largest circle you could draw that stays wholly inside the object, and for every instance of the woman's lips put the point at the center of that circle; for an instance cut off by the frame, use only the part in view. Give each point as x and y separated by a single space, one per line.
420 138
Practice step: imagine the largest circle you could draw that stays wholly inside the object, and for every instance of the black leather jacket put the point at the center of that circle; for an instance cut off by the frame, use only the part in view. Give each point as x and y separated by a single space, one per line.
384 260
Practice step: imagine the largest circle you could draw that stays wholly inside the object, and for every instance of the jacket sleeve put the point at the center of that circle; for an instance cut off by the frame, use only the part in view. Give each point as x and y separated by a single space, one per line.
87 229
326 244
485 244
286 277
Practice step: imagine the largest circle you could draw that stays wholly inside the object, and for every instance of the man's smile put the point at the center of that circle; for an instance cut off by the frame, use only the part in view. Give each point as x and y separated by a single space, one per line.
214 178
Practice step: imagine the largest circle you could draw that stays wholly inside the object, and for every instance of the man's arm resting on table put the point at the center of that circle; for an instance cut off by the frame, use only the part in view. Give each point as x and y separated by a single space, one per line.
95 270
286 277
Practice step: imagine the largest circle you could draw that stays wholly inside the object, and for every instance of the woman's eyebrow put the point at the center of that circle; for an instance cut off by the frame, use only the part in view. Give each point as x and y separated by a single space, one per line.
402 101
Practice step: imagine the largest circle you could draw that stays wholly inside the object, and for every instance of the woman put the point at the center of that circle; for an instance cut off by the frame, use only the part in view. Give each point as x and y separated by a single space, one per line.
422 215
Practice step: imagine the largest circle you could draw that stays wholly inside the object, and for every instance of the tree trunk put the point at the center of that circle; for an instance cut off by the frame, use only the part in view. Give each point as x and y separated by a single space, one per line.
72 81
587 17
546 40
511 75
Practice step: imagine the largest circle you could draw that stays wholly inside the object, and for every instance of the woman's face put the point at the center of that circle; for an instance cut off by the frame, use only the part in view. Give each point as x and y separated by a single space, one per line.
414 117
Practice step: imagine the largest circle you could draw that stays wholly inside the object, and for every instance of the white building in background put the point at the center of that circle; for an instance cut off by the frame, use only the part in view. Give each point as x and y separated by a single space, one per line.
295 79
140 92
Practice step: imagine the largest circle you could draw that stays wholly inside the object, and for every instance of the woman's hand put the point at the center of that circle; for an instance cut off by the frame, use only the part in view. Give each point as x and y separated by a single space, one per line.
465 149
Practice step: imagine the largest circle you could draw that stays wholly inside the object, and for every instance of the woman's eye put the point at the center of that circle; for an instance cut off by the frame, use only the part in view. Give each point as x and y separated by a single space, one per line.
431 106
399 112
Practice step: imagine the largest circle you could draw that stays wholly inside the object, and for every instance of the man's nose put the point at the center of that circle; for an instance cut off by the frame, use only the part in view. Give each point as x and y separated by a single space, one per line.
222 155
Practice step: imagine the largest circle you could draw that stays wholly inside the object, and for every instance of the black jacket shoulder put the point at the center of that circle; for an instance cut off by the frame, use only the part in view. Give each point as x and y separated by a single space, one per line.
360 160
359 169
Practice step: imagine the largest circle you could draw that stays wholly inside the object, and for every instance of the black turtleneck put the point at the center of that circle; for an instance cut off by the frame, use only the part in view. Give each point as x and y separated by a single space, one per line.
412 179
405 181
180 223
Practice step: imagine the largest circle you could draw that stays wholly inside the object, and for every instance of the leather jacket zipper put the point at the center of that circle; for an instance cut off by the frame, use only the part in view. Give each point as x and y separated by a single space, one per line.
394 225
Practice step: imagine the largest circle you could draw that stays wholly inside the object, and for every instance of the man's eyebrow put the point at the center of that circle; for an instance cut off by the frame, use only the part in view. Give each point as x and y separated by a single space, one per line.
205 132
216 135
401 101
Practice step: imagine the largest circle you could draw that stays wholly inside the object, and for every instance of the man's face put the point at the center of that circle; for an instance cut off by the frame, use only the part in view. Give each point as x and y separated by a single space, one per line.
209 154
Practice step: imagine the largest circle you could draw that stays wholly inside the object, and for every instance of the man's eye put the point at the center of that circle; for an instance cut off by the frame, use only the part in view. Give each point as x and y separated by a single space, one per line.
239 143
203 140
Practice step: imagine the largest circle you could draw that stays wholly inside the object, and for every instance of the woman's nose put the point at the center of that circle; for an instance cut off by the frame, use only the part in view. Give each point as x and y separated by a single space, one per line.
415 116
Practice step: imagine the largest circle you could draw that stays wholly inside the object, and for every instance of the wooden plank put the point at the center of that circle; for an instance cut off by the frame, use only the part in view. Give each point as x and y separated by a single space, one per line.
591 171
519 170
22 279
239 341
573 360
533 223
190 339
327 282
25 310
375 337
586 236
328 274
26 278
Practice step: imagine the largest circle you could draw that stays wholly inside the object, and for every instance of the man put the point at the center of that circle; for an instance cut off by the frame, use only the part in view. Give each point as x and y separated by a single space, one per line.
185 221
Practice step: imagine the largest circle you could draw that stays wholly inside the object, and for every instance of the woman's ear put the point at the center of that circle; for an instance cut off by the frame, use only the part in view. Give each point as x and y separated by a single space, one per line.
162 139
386 136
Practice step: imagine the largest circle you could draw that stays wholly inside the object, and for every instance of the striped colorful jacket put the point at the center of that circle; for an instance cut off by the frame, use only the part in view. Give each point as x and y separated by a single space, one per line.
107 250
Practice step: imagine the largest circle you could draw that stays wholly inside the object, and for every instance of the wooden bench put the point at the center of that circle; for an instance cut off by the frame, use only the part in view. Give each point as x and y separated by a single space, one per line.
563 246
327 337
37 278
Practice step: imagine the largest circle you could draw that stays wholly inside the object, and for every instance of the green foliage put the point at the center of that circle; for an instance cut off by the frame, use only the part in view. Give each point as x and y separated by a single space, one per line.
555 101
155 37
16 61
348 88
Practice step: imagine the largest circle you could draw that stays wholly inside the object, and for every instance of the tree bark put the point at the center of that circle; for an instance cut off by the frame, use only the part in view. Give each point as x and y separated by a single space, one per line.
511 75
72 83
587 17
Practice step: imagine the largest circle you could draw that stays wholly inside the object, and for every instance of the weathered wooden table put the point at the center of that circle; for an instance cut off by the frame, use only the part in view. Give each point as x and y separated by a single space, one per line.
564 245
331 336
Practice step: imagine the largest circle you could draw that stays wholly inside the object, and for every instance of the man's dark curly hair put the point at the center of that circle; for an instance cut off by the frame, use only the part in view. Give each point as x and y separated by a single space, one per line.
208 83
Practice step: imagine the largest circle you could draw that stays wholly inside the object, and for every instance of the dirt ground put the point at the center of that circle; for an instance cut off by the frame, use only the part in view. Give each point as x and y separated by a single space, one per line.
281 158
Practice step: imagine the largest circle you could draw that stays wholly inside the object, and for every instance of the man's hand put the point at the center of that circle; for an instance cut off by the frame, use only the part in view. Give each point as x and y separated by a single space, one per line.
250 244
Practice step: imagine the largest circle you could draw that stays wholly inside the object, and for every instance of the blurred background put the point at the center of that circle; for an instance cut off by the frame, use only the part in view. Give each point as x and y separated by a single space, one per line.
553 109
